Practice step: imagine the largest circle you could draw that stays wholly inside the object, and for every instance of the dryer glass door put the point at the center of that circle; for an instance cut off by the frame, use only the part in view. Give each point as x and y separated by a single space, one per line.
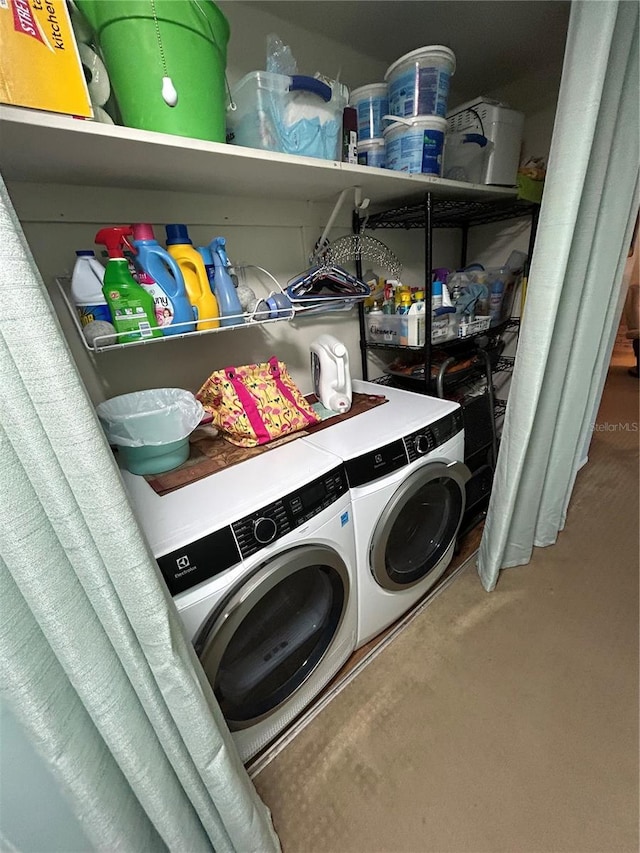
419 525
273 631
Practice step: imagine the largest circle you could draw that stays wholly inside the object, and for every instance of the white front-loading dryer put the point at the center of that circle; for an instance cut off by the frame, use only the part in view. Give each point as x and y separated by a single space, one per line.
404 465
260 560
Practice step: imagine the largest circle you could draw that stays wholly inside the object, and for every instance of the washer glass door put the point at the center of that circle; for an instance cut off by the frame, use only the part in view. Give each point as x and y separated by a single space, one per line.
273 631
418 525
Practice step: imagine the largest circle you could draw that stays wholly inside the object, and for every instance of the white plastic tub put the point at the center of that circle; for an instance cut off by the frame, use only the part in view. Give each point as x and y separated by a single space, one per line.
419 81
371 103
371 152
415 145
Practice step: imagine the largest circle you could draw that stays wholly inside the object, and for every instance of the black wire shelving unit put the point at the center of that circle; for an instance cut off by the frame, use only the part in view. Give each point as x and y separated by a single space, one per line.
451 213
435 212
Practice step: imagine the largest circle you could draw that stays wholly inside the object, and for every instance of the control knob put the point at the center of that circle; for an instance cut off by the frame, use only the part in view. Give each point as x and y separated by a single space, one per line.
264 530
422 443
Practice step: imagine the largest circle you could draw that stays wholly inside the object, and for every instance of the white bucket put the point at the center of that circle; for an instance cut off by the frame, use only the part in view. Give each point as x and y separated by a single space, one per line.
415 145
371 103
371 152
419 81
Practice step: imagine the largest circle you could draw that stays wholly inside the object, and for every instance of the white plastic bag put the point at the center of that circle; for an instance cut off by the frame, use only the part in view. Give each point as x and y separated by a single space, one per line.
154 417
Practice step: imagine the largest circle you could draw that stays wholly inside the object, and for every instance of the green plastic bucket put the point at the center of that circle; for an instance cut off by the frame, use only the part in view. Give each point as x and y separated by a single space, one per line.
193 35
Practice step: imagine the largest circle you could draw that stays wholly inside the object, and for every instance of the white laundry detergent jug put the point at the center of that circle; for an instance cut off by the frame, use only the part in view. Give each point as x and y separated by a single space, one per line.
330 373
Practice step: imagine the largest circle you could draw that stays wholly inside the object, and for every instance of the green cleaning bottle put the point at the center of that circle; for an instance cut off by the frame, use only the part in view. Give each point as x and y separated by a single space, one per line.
132 307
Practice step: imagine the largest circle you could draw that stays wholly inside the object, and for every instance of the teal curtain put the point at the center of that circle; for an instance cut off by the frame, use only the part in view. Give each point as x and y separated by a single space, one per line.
94 663
574 299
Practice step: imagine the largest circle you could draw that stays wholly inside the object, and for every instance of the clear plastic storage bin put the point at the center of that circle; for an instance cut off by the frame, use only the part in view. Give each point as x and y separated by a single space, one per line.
292 115
405 329
494 296
465 157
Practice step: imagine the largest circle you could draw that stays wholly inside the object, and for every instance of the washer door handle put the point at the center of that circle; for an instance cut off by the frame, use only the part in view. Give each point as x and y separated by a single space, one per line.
461 470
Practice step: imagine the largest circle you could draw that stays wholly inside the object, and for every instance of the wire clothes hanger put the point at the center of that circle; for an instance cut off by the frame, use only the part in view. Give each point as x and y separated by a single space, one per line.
327 282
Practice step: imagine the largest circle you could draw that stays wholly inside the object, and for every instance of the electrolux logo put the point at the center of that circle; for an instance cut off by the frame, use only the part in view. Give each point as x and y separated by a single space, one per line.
184 566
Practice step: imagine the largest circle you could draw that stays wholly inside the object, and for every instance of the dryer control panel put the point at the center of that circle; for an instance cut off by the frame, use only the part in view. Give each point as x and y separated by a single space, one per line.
275 520
427 438
387 459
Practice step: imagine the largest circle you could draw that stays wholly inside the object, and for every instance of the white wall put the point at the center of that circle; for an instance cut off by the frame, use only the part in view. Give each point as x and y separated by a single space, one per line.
312 51
536 96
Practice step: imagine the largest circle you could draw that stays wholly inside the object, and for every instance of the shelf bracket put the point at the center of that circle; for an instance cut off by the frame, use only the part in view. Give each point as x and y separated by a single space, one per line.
359 204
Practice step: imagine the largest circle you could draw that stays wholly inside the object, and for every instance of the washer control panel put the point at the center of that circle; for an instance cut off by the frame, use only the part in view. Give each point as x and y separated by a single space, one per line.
376 463
427 438
275 520
200 560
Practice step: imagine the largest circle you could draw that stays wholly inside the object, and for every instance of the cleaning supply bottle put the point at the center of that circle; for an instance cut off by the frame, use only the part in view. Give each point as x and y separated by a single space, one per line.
131 307
402 307
195 276
86 288
416 322
436 294
161 276
330 373
388 302
495 300
227 307
225 291
404 304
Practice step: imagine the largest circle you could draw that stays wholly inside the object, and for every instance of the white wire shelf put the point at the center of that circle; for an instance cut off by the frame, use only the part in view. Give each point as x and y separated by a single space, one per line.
246 320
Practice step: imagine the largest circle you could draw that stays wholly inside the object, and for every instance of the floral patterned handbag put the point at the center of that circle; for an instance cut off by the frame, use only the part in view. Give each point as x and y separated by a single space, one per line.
256 403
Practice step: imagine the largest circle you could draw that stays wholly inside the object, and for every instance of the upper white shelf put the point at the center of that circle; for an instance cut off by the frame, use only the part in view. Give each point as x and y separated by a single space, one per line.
49 148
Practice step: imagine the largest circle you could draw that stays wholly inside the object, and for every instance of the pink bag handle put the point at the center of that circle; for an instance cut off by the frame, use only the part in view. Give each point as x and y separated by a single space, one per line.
282 388
249 406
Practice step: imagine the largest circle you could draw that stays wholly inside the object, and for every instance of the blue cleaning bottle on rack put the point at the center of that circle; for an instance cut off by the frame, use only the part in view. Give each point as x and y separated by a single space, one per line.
161 276
224 288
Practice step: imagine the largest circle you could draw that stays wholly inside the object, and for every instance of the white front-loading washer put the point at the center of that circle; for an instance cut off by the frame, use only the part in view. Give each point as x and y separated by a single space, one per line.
260 560
404 465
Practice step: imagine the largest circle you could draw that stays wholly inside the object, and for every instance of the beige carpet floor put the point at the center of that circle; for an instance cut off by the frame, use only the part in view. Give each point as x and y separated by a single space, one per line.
494 722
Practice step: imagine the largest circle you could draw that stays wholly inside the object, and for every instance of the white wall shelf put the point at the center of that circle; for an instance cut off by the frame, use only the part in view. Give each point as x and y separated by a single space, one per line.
48 148
249 320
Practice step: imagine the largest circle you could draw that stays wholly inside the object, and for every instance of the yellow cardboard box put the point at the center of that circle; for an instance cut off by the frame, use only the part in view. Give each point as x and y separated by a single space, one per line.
39 62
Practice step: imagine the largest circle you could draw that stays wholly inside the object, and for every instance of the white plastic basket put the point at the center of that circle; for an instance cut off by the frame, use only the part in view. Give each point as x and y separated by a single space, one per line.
478 324
440 328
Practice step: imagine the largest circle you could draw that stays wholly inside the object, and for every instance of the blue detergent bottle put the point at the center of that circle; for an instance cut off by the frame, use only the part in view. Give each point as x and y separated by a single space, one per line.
224 288
161 276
